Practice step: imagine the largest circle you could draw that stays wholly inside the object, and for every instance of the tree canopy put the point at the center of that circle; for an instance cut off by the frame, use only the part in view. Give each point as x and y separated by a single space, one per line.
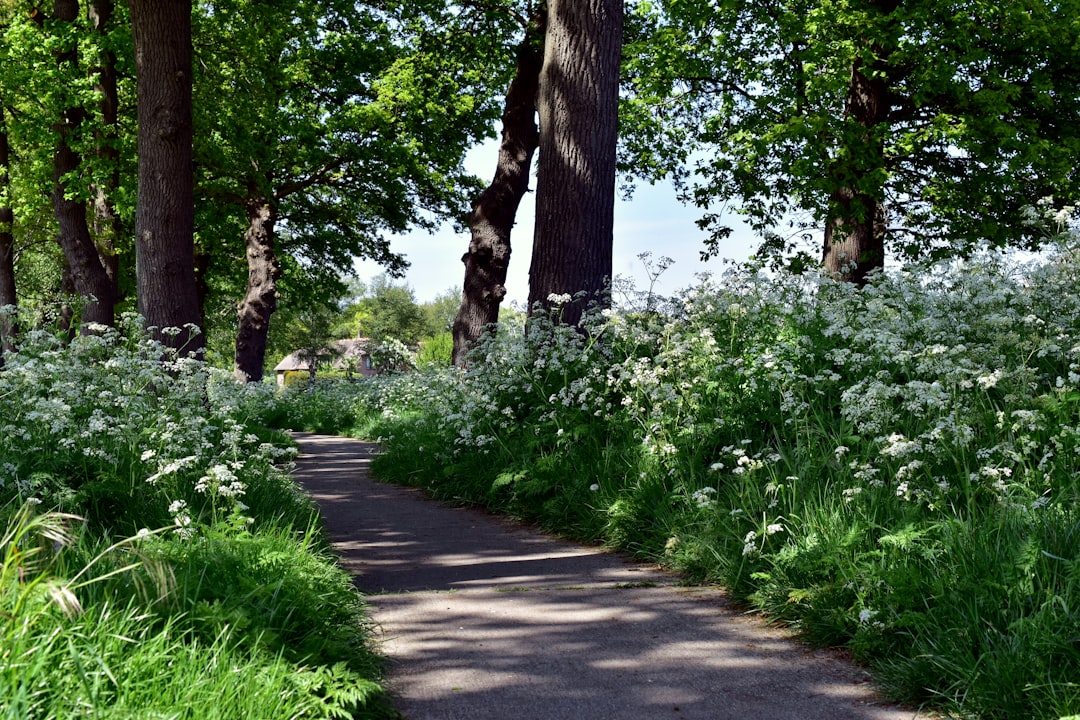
977 114
319 130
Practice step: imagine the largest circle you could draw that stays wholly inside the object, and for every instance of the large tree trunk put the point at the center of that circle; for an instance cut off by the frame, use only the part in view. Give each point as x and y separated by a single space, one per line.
107 225
165 213
854 243
7 243
575 189
493 213
90 279
260 302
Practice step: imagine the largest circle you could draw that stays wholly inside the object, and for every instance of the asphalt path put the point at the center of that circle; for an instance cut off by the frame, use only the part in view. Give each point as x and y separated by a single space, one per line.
483 618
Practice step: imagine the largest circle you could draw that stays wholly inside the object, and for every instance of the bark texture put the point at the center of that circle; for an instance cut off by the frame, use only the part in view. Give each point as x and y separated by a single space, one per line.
575 189
492 217
165 212
260 302
855 229
107 225
7 243
90 279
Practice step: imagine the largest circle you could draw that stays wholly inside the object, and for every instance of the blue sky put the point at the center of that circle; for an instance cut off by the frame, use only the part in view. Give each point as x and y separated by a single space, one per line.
653 220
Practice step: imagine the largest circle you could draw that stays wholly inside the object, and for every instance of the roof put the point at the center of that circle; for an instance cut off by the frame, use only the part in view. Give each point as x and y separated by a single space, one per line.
350 348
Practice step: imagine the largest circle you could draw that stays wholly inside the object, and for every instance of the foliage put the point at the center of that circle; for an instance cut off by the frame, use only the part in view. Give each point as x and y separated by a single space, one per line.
749 104
437 350
383 310
320 84
439 313
155 557
893 469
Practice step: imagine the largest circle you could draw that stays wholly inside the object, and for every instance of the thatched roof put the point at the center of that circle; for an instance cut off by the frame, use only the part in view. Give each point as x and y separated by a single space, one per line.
337 352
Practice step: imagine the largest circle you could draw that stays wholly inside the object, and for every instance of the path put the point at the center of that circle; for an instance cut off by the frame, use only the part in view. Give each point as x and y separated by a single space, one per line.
484 619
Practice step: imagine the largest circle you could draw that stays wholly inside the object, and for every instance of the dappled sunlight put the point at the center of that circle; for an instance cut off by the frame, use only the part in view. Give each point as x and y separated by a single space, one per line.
483 617
654 649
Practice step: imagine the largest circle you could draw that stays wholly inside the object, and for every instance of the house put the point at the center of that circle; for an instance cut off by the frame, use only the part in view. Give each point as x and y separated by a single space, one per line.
344 355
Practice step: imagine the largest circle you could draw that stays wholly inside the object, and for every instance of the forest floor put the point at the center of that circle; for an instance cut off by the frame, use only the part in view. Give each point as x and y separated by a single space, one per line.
484 618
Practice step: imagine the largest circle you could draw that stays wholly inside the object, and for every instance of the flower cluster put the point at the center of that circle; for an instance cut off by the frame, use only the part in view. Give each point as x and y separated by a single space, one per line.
104 409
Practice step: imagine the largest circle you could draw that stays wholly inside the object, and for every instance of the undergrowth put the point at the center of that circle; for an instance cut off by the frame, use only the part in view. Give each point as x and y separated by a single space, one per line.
892 469
157 560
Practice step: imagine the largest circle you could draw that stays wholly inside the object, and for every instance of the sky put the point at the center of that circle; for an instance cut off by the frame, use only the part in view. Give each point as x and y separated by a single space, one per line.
653 220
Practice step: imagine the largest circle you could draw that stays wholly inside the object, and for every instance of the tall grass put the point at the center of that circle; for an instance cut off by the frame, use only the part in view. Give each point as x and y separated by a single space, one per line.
892 469
157 560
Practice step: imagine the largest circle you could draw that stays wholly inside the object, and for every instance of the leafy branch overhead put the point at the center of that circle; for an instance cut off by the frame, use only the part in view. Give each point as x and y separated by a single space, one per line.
758 106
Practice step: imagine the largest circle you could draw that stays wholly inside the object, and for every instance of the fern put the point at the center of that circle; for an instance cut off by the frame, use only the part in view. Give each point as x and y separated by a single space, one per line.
337 691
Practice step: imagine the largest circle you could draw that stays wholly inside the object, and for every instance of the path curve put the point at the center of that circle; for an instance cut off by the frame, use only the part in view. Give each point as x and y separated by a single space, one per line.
486 619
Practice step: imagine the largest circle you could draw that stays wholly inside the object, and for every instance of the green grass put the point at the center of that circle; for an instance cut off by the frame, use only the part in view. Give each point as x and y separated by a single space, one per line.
157 559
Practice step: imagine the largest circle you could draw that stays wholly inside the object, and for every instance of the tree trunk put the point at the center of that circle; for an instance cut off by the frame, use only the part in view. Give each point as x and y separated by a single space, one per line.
107 225
88 274
165 212
575 188
202 287
7 244
260 302
855 227
492 218
65 319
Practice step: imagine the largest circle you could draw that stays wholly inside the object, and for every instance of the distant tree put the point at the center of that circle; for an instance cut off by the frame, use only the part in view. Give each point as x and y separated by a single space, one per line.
165 214
311 305
439 313
436 350
312 339
575 191
389 311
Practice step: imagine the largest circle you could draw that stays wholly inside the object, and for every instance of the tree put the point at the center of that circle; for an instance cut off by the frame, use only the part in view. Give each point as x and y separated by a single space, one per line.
165 213
64 130
440 313
108 224
7 242
336 139
919 128
854 243
388 311
575 189
89 275
491 219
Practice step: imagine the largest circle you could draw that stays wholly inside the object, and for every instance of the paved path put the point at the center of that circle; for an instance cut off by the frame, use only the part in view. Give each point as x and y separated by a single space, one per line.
485 619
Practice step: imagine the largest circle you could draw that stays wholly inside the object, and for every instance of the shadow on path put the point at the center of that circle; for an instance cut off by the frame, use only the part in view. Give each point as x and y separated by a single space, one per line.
484 619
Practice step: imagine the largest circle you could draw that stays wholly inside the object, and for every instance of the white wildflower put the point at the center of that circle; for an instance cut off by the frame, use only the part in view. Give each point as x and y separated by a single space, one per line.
749 546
